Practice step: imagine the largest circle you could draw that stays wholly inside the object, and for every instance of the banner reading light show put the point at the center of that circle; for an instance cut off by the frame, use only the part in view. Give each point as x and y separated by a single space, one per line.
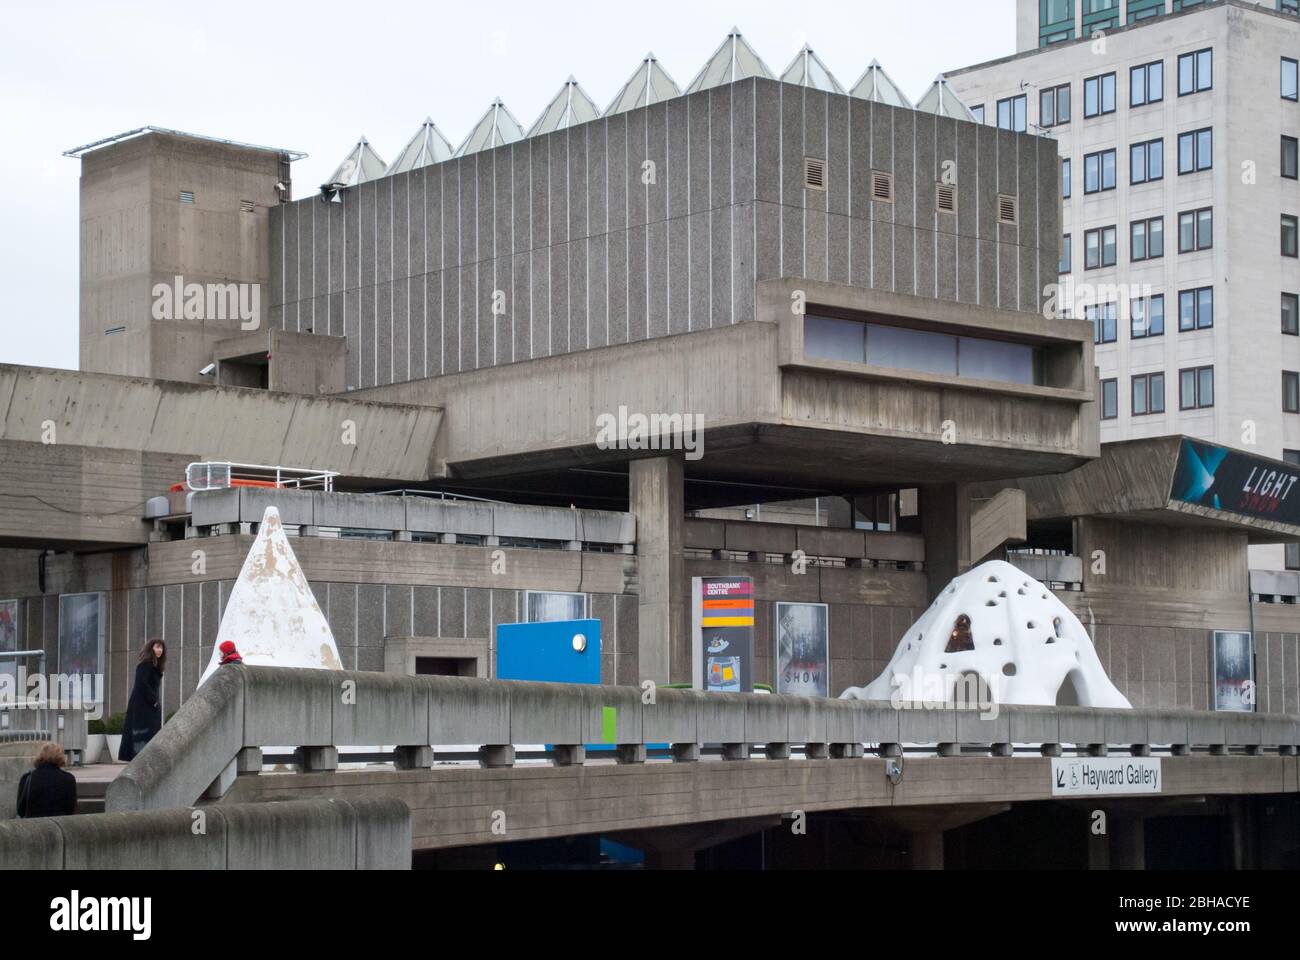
1222 479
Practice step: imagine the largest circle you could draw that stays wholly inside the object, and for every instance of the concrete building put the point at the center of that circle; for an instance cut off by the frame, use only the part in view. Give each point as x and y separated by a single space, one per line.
1177 125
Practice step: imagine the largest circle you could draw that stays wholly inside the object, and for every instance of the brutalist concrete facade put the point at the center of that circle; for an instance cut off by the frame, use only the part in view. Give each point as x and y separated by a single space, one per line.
660 221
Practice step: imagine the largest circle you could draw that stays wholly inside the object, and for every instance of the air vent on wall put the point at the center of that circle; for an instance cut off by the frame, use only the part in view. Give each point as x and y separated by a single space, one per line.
814 173
1007 208
187 196
247 206
947 198
882 186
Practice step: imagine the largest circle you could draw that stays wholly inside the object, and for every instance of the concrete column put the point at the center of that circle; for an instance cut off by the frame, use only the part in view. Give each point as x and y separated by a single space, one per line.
656 496
1128 843
945 523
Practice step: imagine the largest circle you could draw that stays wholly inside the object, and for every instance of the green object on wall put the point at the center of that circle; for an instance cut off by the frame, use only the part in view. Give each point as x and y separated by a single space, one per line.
609 724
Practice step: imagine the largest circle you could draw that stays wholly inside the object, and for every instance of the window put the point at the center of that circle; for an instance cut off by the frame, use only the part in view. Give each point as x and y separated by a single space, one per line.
1105 329
1290 391
978 113
1195 150
1065 179
1289 153
1288 235
1196 388
1196 309
1147 317
1099 15
1055 21
1067 255
550 607
1146 84
1099 248
1292 7
1289 69
1196 230
1144 9
1147 239
1099 95
1109 399
1195 72
1099 171
1291 314
1146 161
1054 106
1011 114
1148 394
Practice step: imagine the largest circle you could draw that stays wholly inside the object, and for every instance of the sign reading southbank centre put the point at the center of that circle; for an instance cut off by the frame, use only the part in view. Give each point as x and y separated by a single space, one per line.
1105 776
1222 479
722 634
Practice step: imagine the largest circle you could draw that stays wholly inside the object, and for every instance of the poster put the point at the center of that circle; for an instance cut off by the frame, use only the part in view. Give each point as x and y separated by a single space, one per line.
722 620
81 638
1234 673
9 637
1222 479
802 650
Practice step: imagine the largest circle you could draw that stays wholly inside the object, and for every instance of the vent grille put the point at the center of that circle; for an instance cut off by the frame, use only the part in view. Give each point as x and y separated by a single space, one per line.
247 206
814 173
882 186
1007 209
187 196
947 198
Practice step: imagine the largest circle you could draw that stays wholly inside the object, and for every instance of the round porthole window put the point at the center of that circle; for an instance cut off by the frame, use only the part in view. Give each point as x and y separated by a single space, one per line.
579 642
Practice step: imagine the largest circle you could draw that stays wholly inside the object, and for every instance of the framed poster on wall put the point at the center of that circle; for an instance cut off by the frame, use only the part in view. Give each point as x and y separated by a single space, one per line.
802 649
1234 672
81 635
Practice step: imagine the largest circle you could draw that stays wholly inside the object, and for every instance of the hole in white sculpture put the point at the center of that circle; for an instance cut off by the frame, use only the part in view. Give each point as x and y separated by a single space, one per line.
998 642
1009 670
1031 625
991 603
1056 628
994 580
1068 695
960 640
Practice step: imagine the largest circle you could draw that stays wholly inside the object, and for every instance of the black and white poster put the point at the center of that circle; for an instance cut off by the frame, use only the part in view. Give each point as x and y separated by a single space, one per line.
802 650
1234 672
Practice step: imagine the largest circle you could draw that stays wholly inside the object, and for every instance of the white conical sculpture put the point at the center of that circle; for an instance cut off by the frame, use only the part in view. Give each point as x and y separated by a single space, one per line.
272 615
1001 624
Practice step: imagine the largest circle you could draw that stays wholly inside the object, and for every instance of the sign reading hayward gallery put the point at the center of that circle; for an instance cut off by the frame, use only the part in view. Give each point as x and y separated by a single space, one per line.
722 634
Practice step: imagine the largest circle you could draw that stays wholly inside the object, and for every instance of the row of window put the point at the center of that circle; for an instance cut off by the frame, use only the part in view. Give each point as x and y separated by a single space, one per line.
1056 17
1147 240
1147 162
1147 315
1147 393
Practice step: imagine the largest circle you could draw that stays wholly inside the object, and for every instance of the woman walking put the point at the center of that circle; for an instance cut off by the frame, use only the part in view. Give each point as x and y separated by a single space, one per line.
144 709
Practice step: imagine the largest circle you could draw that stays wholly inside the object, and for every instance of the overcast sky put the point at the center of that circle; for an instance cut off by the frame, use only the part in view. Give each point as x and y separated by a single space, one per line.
315 76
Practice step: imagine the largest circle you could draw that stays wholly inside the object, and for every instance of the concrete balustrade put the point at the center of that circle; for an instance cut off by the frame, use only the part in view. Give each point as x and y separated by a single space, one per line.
855 546
362 834
406 516
241 709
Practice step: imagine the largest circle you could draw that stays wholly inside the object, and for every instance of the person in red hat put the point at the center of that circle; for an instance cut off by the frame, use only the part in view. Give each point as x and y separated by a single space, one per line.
229 654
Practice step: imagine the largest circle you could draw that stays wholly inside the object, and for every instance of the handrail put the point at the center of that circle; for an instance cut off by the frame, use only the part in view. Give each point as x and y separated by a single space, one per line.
244 707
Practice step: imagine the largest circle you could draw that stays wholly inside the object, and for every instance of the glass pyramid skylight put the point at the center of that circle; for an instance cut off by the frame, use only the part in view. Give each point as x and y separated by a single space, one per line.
650 84
570 106
807 70
735 60
361 164
497 128
426 147
940 99
877 86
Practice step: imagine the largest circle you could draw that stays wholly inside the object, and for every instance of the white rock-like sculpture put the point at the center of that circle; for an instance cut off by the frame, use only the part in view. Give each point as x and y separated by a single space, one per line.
272 615
997 623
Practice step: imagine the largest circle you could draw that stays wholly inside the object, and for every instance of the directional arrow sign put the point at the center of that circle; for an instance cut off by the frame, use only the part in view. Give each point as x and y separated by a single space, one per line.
1105 776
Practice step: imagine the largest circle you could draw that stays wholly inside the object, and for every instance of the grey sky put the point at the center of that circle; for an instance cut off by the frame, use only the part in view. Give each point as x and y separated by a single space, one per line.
315 76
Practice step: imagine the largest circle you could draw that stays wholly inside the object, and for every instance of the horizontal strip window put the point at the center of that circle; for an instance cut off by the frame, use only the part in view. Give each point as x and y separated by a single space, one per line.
1290 71
1054 106
1109 390
1099 172
1099 95
1105 322
1195 72
1146 83
922 351
1196 309
1147 317
1291 314
1146 161
1196 150
1196 388
1146 239
1148 394
1099 248
1288 235
1196 230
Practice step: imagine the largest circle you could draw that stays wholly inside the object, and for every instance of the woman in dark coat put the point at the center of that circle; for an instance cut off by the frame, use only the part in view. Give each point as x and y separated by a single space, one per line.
47 790
144 709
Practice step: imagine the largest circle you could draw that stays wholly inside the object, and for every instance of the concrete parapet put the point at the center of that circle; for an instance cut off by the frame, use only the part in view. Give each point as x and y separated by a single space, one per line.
1038 725
158 840
448 516
622 706
468 711
1082 725
358 512
382 708
974 726
673 717
545 713
767 719
293 707
927 726
534 523
1125 727
31 845
1166 727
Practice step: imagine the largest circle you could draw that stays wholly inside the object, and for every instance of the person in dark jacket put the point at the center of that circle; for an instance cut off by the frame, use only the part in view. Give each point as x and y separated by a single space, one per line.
47 790
144 709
